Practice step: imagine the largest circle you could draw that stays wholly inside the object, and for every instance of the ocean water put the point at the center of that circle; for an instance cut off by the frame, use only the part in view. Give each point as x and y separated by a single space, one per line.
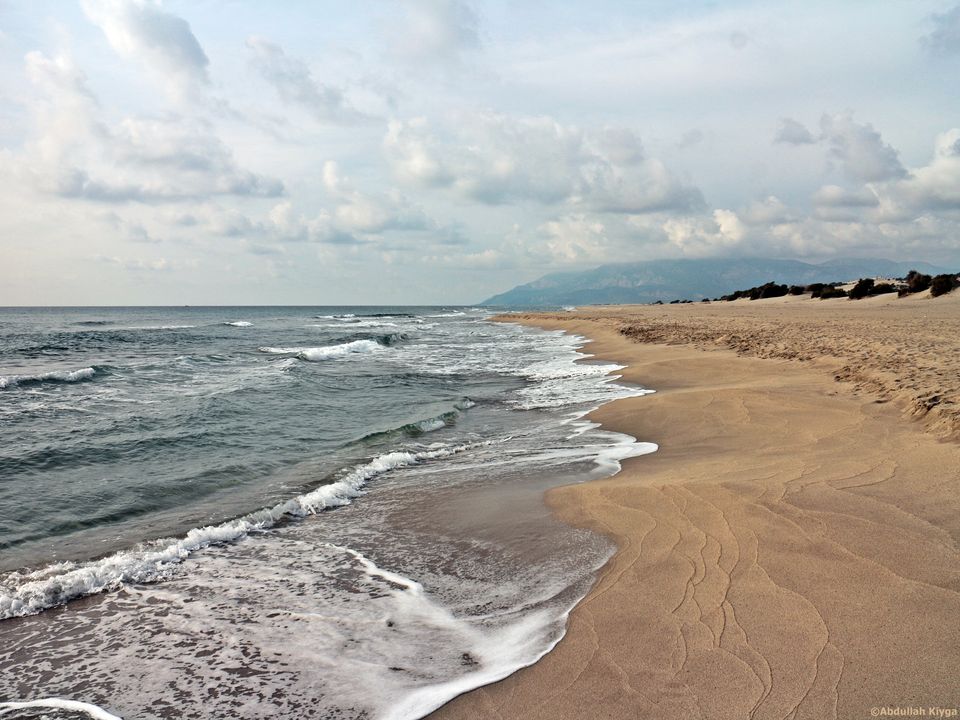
287 512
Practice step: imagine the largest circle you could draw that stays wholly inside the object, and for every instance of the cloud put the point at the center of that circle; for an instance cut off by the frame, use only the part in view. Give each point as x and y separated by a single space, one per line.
944 39
792 132
66 111
620 146
767 211
690 138
73 153
835 204
575 239
436 32
140 29
367 213
646 189
936 186
295 84
860 149
835 196
705 236
490 157
139 264
498 159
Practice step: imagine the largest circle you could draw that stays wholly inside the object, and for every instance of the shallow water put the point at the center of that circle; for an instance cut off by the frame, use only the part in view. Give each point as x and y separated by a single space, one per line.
351 497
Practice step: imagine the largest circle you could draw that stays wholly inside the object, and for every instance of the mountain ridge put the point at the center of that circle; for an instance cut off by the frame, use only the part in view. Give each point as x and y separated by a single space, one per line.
691 279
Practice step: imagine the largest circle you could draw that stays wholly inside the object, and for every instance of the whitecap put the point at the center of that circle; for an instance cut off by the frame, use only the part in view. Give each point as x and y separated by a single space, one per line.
317 354
9 381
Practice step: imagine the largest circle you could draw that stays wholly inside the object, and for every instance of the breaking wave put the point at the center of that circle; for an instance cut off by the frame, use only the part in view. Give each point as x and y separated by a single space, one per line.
55 376
27 593
427 425
329 352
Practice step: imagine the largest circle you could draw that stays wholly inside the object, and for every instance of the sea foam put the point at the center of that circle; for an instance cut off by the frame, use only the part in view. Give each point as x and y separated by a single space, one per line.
94 711
55 376
27 593
317 354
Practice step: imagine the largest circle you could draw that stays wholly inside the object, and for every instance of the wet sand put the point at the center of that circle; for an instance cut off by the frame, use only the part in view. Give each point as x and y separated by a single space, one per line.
791 550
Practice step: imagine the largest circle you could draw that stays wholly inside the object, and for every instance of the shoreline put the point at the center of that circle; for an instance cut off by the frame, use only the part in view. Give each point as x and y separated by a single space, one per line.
790 551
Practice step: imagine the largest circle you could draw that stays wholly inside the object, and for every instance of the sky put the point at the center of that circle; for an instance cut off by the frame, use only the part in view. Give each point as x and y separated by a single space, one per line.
441 151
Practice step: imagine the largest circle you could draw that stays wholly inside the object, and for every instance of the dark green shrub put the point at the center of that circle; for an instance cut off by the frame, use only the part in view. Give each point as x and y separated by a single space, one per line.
771 290
796 290
832 292
883 289
863 288
942 284
917 282
815 289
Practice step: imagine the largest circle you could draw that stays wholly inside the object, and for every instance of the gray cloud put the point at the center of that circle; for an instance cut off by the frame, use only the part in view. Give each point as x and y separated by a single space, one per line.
650 189
498 159
936 186
141 29
620 146
944 39
490 157
860 149
436 31
75 154
835 196
296 85
690 138
792 132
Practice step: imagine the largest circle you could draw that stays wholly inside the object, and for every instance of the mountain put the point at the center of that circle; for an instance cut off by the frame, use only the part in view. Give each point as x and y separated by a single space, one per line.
691 279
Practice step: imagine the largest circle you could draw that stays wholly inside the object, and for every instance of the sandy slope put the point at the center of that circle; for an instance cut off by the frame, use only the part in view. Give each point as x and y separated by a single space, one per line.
791 551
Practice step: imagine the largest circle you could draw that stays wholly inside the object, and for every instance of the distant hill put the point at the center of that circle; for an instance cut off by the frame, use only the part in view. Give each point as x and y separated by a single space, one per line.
691 279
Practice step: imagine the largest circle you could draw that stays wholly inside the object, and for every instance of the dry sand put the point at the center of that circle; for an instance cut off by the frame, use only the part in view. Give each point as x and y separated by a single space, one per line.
791 551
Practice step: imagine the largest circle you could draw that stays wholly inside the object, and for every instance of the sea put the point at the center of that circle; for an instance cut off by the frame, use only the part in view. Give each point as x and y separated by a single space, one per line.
287 512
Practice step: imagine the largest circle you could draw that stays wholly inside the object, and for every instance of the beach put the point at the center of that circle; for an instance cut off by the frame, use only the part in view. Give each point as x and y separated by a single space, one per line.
790 551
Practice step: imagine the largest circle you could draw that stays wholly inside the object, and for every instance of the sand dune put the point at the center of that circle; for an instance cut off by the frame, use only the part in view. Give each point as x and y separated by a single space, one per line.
791 551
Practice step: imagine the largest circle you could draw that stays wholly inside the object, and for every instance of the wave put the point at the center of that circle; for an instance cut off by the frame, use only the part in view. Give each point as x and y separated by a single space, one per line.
357 323
169 327
27 593
388 315
238 323
329 352
94 323
55 376
427 425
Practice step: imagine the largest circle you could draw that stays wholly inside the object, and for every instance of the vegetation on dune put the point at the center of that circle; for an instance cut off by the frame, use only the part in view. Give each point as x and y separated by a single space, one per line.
767 290
942 284
915 282
864 287
832 292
